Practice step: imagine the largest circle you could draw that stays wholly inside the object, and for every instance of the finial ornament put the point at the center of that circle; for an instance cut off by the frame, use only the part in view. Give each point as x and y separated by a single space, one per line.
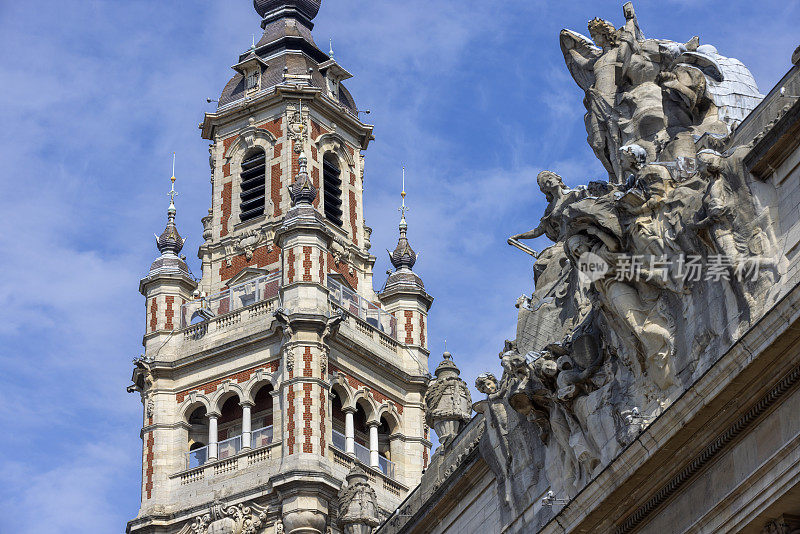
172 193
330 52
170 240
403 255
403 209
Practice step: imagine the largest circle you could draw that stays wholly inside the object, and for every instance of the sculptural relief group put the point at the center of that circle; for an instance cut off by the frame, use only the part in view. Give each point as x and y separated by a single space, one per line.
598 357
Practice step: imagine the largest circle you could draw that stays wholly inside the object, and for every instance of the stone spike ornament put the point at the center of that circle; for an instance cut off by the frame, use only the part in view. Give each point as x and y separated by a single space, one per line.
448 402
358 504
302 190
619 322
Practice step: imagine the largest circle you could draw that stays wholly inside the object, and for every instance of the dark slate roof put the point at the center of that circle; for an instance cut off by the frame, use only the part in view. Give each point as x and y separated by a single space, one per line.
300 53
309 8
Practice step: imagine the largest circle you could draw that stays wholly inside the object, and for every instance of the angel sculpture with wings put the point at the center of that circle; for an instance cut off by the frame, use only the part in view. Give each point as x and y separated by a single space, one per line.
597 68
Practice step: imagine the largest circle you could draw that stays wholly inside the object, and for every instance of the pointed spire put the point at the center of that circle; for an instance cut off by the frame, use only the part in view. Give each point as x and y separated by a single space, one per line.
330 52
403 255
170 241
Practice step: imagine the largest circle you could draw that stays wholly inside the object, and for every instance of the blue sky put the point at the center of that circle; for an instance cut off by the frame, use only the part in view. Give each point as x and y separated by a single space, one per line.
473 98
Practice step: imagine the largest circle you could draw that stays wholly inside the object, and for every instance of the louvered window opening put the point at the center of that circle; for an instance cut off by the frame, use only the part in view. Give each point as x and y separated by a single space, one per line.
332 181
252 80
253 194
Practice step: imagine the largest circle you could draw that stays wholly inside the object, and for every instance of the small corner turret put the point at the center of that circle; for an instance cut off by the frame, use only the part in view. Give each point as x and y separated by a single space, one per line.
169 284
404 295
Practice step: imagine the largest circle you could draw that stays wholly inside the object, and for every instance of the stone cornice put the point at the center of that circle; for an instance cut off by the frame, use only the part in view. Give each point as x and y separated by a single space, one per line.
241 110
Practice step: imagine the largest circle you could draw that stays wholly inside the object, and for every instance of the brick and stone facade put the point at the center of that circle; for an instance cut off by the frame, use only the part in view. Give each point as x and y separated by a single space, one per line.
242 378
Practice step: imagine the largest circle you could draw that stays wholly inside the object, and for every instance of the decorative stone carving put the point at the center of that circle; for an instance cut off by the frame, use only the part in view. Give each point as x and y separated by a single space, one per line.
221 519
331 329
208 230
297 119
250 240
143 382
620 322
282 319
786 524
358 504
448 401
340 251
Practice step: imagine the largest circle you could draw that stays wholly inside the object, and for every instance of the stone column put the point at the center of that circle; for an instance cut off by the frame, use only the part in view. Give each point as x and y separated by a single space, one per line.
350 431
373 445
212 436
247 441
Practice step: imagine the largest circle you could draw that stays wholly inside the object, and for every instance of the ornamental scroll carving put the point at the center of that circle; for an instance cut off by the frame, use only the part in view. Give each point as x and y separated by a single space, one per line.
222 519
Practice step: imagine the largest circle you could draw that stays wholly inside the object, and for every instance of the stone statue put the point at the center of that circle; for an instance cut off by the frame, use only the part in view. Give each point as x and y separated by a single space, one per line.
497 451
448 402
358 508
505 446
557 194
626 78
653 274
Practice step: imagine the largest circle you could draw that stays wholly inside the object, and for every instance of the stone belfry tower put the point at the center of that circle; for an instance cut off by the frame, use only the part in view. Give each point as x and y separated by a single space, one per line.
281 375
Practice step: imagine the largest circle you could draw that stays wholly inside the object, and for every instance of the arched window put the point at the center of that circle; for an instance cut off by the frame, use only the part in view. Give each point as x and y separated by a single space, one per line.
332 186
198 433
230 420
262 410
253 196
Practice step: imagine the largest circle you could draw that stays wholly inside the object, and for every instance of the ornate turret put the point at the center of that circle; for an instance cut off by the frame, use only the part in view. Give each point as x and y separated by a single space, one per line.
449 401
170 243
168 284
404 295
358 504
403 257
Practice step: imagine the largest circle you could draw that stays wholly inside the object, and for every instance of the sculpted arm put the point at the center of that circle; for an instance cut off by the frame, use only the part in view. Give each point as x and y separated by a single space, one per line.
531 234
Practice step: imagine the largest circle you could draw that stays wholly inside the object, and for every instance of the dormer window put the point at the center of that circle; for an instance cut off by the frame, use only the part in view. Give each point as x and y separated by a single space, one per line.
253 79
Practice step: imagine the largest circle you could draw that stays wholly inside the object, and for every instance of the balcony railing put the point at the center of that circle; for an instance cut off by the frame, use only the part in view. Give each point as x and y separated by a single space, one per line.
262 437
239 296
197 457
360 307
229 448
362 453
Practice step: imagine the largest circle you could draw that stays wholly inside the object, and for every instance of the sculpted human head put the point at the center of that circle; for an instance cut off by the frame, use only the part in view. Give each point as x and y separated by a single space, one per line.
486 383
550 183
603 33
